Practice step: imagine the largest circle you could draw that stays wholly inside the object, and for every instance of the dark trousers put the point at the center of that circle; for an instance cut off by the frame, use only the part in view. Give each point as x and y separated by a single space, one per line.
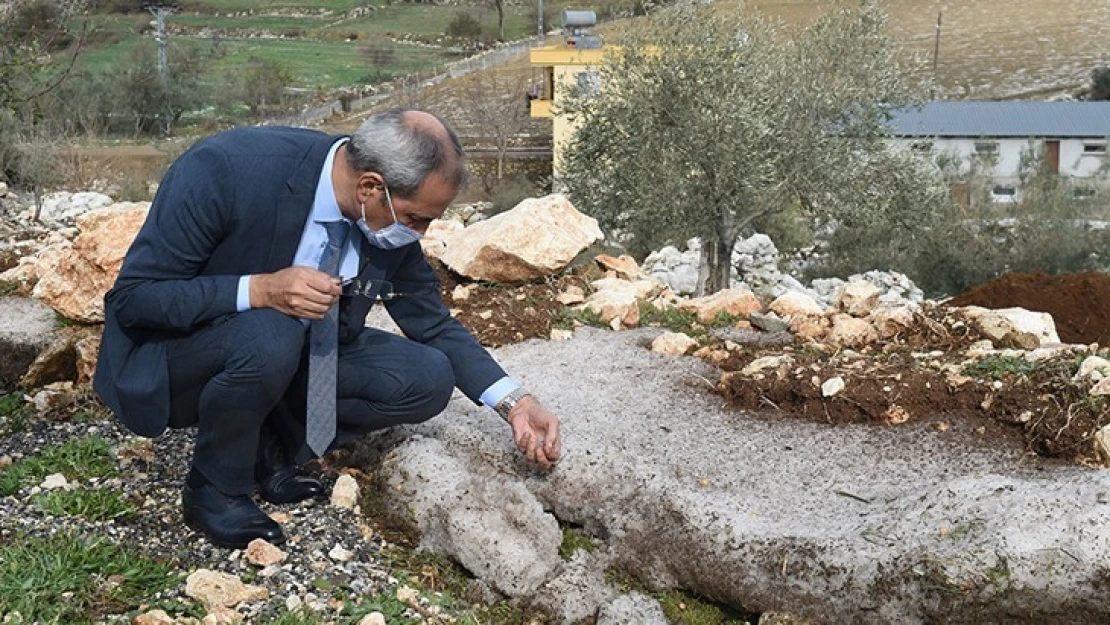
249 371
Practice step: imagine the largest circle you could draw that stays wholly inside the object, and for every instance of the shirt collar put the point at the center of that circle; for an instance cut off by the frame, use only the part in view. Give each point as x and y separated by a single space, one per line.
324 206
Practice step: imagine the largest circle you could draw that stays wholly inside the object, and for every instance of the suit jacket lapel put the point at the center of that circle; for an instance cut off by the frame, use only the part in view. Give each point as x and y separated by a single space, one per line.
295 205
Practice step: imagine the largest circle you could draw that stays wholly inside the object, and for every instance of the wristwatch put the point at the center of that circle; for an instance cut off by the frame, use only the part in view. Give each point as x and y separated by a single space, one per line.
507 403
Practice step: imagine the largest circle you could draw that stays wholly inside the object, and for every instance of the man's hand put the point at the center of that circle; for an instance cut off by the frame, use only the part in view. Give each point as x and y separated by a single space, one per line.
296 291
536 432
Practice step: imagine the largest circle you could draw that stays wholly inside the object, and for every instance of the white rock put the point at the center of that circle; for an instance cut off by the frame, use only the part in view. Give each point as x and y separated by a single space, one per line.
832 386
261 553
1093 367
767 362
561 335
340 554
1102 388
848 331
374 618
858 298
793 304
53 481
345 492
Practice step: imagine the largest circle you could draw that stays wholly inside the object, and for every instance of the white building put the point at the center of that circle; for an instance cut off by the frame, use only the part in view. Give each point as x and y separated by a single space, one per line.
990 139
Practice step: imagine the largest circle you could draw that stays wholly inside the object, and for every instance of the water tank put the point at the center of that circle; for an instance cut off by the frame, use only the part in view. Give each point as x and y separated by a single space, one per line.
578 19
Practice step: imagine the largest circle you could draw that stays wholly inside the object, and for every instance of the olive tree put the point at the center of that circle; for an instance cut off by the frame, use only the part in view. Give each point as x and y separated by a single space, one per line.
710 121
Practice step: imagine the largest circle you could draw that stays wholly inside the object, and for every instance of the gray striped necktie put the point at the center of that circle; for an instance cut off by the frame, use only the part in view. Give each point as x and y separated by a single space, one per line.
323 351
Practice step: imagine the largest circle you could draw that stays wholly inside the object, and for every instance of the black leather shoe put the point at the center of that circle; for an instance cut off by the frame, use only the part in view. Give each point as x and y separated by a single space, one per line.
228 520
279 479
289 485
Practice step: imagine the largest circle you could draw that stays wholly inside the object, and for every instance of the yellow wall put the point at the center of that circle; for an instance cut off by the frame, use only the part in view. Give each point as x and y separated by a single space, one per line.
561 68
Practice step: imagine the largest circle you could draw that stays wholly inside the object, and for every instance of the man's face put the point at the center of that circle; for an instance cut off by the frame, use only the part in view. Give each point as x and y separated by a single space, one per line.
417 212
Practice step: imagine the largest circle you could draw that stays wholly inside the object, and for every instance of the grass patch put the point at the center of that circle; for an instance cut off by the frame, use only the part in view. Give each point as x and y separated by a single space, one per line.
683 607
998 367
77 460
569 318
15 414
91 504
574 540
8 287
67 578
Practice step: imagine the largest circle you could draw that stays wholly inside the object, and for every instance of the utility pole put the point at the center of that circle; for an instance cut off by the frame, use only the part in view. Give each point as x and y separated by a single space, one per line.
936 53
160 13
539 22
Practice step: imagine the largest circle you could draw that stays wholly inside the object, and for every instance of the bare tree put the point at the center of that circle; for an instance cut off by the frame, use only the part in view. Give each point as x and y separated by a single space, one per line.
493 105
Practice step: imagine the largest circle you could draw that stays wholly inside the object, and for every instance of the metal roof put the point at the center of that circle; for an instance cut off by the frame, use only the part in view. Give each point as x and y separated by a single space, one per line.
1003 119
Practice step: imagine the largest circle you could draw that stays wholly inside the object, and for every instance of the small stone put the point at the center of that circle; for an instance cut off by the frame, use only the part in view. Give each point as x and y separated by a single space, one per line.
214 589
154 617
832 386
462 292
407 594
485 315
768 323
345 492
53 481
896 415
5 461
281 517
573 295
221 615
615 324
561 335
293 602
1102 388
262 553
340 554
673 344
136 449
374 618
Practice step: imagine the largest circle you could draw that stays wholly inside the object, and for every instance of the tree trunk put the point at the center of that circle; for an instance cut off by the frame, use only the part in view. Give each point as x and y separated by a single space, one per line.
501 20
716 265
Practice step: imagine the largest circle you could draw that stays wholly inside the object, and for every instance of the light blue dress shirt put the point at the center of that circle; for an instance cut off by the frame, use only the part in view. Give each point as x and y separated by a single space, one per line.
315 238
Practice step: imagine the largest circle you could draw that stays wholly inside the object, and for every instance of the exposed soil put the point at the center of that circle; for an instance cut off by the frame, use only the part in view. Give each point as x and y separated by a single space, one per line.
921 375
1079 303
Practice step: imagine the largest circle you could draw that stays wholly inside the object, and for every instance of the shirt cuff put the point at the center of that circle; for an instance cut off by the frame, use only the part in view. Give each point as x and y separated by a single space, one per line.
497 391
243 297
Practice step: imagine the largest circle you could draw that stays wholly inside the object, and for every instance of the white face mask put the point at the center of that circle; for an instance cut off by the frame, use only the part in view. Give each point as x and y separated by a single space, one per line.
394 235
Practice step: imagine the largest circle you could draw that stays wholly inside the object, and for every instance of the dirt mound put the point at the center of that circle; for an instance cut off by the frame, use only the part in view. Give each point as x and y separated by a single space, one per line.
1078 302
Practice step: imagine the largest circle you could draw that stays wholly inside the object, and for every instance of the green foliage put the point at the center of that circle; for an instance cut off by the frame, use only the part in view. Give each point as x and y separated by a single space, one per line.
8 287
508 192
68 578
465 27
14 417
962 246
262 84
568 318
682 607
1100 84
573 541
712 121
1000 367
91 504
76 459
145 102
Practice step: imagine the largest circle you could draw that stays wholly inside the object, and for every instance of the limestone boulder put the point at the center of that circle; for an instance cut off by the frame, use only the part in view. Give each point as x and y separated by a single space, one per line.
848 331
64 207
26 329
537 238
75 284
1013 327
435 238
795 304
891 321
624 267
810 328
858 298
617 300
737 302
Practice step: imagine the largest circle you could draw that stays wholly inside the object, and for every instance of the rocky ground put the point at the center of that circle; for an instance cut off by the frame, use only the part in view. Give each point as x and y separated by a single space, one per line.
347 564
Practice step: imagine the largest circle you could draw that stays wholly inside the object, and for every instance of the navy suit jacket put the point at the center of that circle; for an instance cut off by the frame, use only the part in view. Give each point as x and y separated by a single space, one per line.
236 204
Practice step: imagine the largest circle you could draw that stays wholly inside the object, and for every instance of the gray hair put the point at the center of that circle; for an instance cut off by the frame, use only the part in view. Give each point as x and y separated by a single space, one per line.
405 153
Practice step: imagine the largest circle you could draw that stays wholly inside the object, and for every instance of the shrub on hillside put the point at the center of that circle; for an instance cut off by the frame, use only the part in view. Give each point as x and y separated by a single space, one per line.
464 26
379 51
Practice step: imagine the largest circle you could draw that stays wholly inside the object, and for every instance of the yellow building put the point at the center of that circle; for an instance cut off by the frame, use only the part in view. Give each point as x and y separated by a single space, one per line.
564 68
